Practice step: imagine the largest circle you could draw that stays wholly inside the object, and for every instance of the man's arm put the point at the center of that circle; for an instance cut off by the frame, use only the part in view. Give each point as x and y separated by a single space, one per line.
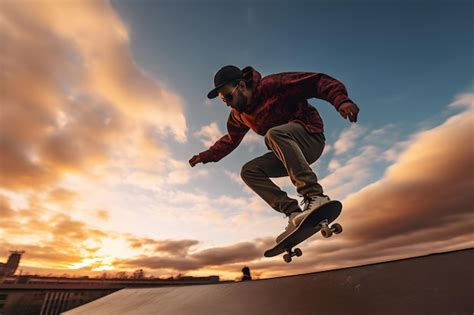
225 145
305 85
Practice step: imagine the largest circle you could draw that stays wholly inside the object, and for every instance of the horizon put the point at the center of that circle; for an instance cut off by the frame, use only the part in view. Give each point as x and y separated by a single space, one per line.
97 125
109 276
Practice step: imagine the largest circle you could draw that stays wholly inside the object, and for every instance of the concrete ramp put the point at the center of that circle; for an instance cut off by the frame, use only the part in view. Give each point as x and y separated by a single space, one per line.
434 284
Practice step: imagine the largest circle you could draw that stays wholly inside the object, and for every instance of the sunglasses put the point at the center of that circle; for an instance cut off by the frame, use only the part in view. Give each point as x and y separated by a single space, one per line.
229 96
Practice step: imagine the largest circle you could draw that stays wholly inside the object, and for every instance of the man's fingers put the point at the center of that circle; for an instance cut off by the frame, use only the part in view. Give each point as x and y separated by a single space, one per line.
352 117
344 114
352 112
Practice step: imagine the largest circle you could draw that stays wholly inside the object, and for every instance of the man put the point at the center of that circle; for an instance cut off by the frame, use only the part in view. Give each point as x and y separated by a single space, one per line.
276 107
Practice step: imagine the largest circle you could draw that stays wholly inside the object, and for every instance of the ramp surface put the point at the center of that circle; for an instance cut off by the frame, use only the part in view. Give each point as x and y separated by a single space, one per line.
434 284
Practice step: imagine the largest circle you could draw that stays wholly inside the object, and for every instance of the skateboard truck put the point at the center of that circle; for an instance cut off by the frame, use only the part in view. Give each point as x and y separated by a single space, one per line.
326 230
290 253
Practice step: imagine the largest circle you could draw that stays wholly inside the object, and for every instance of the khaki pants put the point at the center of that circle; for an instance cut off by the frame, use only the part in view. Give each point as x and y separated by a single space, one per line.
293 150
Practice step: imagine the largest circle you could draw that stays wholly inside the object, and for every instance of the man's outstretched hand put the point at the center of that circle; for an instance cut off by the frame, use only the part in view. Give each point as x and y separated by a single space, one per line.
195 160
349 109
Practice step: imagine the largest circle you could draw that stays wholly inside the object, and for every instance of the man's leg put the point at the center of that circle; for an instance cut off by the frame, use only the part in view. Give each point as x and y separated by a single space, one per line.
256 174
297 149
294 149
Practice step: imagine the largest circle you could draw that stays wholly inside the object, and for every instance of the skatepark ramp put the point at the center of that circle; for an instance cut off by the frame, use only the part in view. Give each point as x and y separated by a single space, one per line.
433 284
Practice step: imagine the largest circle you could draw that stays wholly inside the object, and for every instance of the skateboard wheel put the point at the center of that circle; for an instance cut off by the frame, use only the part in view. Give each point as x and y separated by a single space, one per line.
326 232
287 258
337 228
298 252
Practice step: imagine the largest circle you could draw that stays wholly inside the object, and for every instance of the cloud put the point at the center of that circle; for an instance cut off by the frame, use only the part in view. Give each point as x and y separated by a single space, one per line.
252 138
78 117
178 248
348 175
422 204
253 141
465 100
240 252
370 152
50 239
348 139
161 263
62 196
5 209
72 95
183 261
103 215
209 134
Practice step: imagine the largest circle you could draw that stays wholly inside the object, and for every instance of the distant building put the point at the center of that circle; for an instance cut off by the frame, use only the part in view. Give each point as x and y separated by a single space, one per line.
33 295
44 301
11 266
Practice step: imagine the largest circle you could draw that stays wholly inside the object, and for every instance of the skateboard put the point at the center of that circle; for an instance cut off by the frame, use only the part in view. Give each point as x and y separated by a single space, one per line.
318 220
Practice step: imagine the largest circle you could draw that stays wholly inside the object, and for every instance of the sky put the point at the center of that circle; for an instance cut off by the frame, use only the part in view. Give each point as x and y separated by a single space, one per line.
102 104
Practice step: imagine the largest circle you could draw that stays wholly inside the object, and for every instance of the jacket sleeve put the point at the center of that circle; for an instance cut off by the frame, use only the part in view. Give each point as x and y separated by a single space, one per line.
305 85
226 144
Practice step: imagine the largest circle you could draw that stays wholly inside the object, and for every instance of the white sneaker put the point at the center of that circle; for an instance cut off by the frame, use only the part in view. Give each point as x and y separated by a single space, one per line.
294 221
310 203
313 201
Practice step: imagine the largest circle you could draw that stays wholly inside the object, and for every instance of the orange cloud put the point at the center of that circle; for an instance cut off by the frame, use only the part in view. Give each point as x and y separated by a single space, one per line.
179 258
72 95
5 210
430 185
50 240
62 196
423 203
103 215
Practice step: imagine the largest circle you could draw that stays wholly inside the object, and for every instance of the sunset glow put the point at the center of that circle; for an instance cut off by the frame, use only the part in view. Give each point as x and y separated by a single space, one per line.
96 131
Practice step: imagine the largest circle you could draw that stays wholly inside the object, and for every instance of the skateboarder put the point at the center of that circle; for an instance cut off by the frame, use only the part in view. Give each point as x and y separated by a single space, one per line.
276 107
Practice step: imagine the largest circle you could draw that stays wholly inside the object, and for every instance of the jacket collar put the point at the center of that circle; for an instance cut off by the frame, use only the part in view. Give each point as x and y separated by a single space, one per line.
251 74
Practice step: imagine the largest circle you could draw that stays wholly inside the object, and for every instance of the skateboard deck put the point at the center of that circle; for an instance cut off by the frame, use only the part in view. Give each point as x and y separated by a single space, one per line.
318 220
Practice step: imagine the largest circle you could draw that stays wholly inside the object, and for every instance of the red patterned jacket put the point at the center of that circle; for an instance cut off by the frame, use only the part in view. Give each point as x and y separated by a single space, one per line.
278 99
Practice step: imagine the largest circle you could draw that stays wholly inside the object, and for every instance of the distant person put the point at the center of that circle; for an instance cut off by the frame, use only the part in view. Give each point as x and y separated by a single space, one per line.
276 107
246 274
